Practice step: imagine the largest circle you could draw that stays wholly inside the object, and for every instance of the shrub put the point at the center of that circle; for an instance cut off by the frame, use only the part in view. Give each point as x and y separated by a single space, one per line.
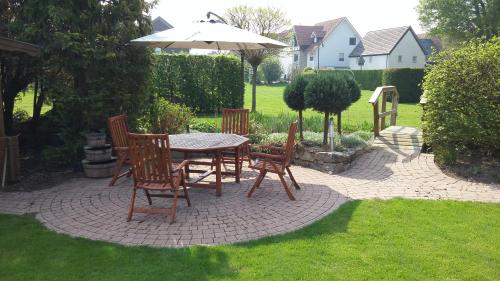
274 139
170 118
463 101
331 92
204 126
353 141
204 83
271 68
293 95
407 81
368 79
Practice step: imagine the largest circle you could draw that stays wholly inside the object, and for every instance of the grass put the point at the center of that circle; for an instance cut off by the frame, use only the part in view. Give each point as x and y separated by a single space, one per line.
25 102
270 103
363 240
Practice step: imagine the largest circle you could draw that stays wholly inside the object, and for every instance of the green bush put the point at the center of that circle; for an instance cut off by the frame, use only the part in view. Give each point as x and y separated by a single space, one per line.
368 79
204 83
353 141
463 101
170 118
271 68
204 126
408 82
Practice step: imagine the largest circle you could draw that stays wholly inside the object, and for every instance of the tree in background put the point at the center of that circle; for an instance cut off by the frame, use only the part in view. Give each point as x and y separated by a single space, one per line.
459 20
331 93
293 95
268 22
271 67
85 49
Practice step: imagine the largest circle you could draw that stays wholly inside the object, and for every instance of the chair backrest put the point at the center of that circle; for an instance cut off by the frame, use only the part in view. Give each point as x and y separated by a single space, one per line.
292 130
235 121
150 158
118 128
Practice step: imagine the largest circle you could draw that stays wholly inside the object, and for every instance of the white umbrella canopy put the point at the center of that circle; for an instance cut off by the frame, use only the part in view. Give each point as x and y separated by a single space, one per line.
208 35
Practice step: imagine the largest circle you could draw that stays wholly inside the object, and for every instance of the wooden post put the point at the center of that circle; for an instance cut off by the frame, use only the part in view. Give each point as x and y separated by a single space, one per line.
394 109
384 107
375 120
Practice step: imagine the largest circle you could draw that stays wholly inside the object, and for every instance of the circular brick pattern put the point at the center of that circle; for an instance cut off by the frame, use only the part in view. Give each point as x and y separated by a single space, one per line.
89 208
93 210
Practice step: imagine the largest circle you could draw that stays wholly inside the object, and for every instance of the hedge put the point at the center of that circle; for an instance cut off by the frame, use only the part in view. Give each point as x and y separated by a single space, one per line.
368 79
204 83
407 81
462 113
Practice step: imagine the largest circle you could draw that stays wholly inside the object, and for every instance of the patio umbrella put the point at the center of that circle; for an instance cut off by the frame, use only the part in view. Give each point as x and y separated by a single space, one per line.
208 35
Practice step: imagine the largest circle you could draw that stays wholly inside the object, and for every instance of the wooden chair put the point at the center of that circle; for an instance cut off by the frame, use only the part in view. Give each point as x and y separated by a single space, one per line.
277 161
152 171
236 121
118 128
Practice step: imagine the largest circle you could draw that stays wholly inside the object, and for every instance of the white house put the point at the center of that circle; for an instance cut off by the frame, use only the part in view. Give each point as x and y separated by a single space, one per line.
396 47
324 45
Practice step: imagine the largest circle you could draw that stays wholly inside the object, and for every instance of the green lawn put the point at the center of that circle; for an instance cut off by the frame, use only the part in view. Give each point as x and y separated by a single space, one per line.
270 102
363 240
25 102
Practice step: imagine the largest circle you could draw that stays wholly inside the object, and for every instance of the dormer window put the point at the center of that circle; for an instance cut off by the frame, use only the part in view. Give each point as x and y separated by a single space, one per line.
315 39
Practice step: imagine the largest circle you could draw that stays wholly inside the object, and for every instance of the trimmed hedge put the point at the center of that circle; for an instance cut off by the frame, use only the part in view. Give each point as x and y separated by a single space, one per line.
407 81
368 79
204 83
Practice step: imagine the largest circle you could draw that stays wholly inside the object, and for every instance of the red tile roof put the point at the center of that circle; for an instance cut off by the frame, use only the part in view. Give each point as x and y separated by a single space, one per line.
321 29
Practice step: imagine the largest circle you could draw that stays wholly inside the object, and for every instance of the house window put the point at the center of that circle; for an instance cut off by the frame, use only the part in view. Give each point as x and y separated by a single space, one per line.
352 41
341 56
311 58
414 59
400 58
295 57
370 59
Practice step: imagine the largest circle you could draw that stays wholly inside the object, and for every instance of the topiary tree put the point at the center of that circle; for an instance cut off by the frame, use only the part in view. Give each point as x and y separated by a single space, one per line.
329 93
462 109
271 67
294 97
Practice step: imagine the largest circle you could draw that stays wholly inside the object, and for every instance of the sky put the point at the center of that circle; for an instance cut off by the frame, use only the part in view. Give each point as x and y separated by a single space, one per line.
364 15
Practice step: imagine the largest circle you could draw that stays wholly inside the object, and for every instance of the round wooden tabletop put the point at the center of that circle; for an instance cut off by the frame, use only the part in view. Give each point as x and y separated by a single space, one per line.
205 141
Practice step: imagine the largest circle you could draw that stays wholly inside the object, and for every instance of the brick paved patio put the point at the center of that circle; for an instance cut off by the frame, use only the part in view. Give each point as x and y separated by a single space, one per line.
89 208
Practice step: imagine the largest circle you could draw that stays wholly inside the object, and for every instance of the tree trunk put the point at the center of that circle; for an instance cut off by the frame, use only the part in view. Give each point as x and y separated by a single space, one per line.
325 129
300 126
339 123
242 69
8 113
254 87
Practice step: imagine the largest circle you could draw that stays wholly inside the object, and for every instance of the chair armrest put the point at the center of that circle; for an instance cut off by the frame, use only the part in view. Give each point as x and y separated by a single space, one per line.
181 166
266 155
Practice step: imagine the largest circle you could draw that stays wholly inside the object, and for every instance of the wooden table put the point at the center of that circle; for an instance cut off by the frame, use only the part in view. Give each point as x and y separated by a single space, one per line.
211 143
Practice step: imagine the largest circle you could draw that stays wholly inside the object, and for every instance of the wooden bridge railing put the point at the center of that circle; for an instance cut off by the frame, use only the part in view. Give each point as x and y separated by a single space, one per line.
379 117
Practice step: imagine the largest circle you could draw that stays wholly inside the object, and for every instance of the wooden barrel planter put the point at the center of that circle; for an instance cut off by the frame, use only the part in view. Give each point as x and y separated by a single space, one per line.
98 162
99 169
98 154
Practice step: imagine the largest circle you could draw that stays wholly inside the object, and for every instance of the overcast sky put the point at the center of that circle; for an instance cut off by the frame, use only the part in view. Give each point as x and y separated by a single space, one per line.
365 15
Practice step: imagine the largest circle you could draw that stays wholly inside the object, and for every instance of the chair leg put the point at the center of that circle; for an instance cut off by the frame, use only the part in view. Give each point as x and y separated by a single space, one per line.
131 207
257 183
186 194
174 205
285 185
148 196
119 166
292 178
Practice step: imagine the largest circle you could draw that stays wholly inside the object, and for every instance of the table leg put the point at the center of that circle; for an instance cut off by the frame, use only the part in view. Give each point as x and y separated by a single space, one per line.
237 164
218 176
186 168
